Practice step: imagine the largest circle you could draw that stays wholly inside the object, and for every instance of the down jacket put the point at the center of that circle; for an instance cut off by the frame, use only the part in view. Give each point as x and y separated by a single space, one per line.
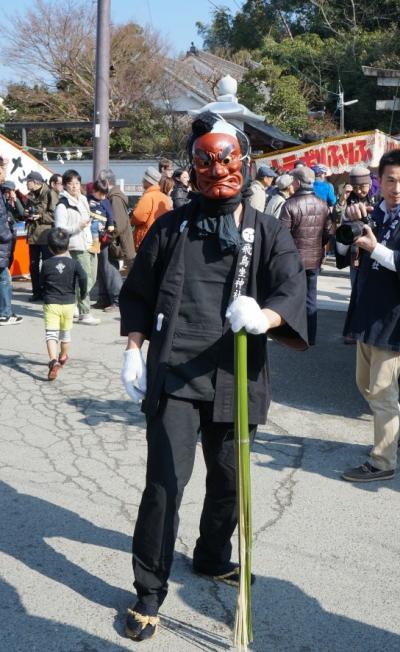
307 218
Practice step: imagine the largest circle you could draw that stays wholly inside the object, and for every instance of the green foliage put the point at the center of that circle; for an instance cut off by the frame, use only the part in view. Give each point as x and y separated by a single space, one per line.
217 35
251 24
306 49
151 132
286 108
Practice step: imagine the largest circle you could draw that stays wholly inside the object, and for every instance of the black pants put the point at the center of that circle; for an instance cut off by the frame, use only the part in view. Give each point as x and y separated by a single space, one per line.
108 278
172 438
37 253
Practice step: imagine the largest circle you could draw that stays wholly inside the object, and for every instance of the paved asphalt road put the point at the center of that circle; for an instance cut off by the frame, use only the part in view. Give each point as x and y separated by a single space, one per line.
72 464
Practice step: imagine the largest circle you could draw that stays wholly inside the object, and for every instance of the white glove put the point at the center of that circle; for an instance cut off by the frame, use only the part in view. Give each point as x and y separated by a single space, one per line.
244 312
133 374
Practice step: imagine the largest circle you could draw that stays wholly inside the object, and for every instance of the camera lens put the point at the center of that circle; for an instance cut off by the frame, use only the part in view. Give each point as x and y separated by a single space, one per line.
348 232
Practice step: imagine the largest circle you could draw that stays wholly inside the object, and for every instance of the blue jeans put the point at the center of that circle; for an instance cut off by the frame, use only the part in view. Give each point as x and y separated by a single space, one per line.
311 303
5 292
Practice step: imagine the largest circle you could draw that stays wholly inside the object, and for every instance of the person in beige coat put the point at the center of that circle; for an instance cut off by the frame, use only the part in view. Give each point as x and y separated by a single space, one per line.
259 188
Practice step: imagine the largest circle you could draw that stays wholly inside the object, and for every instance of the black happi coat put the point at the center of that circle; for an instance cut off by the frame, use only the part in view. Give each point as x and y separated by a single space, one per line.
373 316
150 300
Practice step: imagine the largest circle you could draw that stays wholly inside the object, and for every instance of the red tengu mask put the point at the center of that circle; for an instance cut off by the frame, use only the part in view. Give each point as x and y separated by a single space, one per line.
217 161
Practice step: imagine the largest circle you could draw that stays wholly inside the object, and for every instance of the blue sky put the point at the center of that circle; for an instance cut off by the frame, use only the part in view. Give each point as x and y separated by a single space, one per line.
174 19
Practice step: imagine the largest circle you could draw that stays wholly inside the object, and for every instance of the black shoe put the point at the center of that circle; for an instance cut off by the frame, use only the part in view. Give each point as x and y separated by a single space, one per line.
367 473
139 627
230 576
99 305
11 320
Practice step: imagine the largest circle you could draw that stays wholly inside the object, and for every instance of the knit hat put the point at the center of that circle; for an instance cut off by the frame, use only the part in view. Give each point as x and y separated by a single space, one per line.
305 176
152 176
284 181
359 175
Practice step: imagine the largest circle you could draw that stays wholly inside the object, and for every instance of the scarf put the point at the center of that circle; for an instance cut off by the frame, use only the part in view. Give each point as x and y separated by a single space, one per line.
215 216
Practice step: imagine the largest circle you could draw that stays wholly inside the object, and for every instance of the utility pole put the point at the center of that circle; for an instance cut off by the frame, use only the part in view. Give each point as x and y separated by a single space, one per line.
341 109
102 96
340 106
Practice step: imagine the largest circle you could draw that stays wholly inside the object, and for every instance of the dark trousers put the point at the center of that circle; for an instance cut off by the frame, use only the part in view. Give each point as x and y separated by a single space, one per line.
311 303
37 253
172 438
109 279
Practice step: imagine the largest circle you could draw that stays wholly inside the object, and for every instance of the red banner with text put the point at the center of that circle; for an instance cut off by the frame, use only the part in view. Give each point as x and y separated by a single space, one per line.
339 155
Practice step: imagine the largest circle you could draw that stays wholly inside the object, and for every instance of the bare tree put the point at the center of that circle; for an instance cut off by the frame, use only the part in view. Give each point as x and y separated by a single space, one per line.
55 52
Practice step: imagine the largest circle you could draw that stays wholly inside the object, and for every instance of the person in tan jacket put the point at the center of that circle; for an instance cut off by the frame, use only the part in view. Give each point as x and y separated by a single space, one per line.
152 204
39 215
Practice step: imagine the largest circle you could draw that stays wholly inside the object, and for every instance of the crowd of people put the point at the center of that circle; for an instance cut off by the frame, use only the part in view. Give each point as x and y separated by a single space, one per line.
103 235
307 202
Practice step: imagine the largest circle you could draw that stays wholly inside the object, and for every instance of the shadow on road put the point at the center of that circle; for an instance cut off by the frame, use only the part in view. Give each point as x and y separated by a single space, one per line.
30 521
284 617
23 632
109 411
21 364
327 458
322 379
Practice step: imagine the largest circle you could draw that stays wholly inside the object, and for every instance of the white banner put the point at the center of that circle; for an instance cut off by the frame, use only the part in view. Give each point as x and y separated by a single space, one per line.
339 154
20 163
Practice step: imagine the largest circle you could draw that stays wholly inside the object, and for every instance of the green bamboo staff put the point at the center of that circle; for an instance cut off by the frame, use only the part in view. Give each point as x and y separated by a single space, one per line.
243 634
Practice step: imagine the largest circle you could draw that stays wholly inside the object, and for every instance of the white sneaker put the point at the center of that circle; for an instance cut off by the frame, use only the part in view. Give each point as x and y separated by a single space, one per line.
88 319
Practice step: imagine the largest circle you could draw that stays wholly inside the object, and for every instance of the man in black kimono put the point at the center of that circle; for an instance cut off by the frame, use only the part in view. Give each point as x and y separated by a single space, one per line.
211 267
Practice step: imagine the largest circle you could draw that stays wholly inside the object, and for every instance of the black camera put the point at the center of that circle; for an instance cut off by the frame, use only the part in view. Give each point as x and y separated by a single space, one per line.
348 232
31 214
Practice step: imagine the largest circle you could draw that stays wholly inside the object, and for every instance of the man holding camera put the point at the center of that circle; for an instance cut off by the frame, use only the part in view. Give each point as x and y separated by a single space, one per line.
373 318
39 217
